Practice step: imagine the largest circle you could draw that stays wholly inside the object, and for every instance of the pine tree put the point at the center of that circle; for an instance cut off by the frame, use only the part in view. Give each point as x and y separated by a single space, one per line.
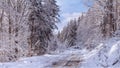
69 33
43 17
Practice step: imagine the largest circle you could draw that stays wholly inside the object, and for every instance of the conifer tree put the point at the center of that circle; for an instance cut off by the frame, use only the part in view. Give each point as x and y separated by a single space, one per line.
43 17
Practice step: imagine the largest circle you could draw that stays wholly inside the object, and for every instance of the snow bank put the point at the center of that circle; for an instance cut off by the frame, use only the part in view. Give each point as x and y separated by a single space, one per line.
107 56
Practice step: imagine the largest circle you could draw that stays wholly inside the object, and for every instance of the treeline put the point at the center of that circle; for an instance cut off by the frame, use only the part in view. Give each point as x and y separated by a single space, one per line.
100 22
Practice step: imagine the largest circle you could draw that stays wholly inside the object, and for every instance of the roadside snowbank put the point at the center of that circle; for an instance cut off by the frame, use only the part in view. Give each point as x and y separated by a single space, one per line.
107 57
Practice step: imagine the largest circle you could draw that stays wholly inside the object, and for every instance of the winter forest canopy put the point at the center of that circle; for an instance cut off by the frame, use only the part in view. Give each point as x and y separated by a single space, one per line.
86 32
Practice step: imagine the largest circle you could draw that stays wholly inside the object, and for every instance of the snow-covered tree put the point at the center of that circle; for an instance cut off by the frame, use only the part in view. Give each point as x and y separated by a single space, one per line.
43 17
69 33
26 27
14 29
110 21
109 25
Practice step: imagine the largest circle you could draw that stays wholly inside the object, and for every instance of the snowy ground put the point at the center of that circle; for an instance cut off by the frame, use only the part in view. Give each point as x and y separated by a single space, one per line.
47 61
106 55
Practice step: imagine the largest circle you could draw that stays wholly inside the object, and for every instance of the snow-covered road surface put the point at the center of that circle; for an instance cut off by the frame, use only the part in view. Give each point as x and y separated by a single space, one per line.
67 59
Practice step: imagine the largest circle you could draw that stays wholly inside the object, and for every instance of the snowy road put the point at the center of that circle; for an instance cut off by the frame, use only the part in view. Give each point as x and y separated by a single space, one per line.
68 59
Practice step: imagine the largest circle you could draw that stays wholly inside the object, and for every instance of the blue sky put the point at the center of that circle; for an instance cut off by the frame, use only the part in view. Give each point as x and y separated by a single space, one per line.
70 6
70 9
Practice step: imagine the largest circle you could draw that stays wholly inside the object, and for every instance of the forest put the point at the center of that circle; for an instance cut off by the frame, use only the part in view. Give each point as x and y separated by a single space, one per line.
28 38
